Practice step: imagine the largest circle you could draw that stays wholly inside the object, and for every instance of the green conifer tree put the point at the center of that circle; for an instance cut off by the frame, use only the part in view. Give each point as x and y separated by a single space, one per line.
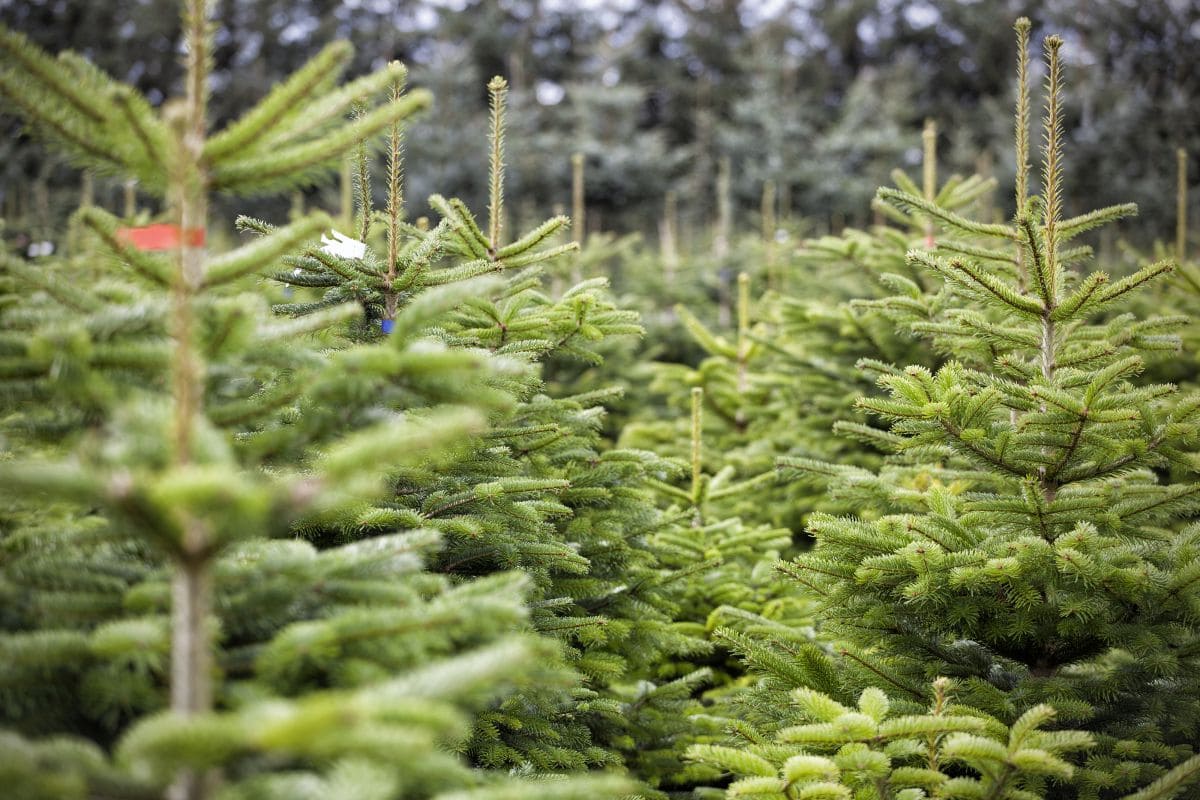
716 565
540 493
162 629
1030 535
867 751
777 383
773 387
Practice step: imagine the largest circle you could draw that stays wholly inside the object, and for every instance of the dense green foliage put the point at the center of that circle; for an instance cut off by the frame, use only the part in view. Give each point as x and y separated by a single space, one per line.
390 507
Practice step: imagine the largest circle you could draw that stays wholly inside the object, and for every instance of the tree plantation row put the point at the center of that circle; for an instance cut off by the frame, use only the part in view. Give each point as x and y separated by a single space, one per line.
388 506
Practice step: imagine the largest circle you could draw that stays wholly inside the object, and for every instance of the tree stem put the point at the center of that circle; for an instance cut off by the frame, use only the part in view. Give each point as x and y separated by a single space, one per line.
697 445
191 656
1181 192
578 222
498 89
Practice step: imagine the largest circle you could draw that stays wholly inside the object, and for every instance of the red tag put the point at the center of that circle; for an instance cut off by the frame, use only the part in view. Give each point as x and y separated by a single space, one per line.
929 242
162 236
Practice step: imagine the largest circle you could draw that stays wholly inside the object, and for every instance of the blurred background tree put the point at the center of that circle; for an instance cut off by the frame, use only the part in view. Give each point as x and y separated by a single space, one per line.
822 96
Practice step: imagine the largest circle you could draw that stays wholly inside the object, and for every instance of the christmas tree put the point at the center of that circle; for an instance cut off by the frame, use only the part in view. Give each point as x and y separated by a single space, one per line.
540 492
867 750
163 629
1029 534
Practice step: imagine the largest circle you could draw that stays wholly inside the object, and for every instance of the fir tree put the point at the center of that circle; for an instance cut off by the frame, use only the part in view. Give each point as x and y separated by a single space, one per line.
540 493
1031 534
827 349
739 387
164 630
777 383
866 750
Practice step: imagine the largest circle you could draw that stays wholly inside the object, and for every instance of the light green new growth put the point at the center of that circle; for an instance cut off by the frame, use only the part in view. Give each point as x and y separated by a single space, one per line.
929 161
362 180
497 94
1052 171
395 185
697 449
577 211
577 207
1021 116
1181 212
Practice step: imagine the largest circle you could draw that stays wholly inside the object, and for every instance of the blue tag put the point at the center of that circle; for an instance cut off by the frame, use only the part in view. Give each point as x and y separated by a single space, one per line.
387 325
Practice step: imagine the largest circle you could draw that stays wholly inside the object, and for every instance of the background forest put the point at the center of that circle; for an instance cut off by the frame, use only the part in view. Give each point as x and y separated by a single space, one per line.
820 96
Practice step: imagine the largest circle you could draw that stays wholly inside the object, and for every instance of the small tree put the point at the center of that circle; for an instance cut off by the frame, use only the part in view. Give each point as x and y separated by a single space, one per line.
1028 536
163 630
